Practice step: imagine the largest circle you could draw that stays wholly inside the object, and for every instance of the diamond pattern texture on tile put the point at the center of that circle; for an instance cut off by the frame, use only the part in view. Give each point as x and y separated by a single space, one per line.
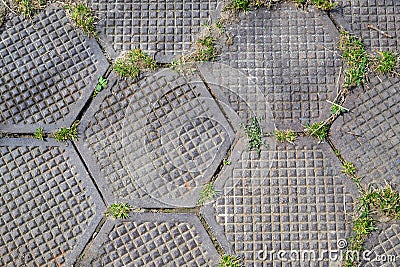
238 94
289 199
163 138
48 204
291 53
152 240
163 28
47 72
384 247
356 15
369 135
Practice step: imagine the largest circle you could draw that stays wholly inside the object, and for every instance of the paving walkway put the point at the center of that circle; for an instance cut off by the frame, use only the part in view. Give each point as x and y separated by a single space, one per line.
155 141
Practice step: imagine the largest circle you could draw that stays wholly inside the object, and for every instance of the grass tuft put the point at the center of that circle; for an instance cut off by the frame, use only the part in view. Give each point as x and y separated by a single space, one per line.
119 210
28 7
64 134
205 50
319 130
285 135
349 168
356 57
254 135
324 4
83 17
230 261
38 134
133 63
207 193
386 62
102 83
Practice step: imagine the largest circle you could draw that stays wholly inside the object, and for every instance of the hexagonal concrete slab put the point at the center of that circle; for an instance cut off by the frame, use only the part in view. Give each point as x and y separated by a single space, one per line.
48 71
293 57
369 135
49 205
155 143
357 16
291 199
152 240
163 28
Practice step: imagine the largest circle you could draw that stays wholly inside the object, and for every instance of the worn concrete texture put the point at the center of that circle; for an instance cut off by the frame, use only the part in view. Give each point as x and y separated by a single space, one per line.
155 141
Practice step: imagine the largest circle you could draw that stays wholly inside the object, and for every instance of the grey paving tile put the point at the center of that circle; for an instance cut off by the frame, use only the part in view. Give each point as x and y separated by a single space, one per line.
292 199
356 15
383 247
155 143
152 240
163 28
238 95
369 135
49 206
293 57
47 72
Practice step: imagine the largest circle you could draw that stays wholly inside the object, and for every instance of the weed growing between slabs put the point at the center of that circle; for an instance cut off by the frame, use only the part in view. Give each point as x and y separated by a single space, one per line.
230 261
133 63
28 7
39 134
254 135
83 17
373 203
319 130
356 57
119 210
207 193
386 62
246 5
65 134
102 83
285 136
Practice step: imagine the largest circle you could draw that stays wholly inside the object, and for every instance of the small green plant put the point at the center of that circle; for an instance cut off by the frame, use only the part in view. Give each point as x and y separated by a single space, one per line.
64 134
207 193
83 17
119 210
337 109
101 84
28 7
205 50
337 153
387 201
285 135
230 261
131 64
324 4
240 5
254 135
386 62
226 162
356 57
219 25
349 168
319 130
38 134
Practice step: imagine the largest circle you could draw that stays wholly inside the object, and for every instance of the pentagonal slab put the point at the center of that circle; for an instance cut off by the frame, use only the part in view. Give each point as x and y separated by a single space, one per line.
292 55
357 16
49 206
163 28
155 143
48 70
368 135
291 199
152 240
